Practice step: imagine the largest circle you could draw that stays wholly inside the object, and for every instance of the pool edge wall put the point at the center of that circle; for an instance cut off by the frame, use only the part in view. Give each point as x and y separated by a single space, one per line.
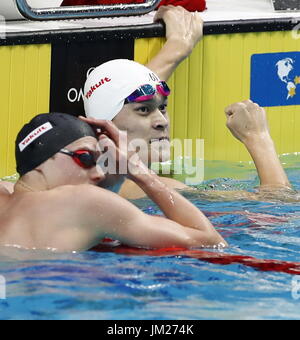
38 77
25 91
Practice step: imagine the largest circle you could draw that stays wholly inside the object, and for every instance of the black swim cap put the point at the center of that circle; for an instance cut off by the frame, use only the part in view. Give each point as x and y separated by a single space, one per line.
46 135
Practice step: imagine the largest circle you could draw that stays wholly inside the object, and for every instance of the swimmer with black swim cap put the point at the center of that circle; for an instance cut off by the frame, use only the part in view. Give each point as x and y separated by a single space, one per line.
49 138
46 135
57 206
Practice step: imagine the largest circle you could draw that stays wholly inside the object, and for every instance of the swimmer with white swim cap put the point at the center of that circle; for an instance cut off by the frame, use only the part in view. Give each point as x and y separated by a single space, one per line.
146 120
135 99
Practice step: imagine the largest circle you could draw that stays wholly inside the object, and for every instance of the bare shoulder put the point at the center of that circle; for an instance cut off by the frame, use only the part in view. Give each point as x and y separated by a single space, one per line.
76 198
82 205
64 218
85 194
132 191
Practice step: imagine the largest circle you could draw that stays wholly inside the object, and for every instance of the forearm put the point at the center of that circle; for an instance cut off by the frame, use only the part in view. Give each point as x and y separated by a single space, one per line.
183 31
168 58
269 168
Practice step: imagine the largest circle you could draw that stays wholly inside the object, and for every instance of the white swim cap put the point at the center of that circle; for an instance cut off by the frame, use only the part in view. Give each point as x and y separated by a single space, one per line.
111 83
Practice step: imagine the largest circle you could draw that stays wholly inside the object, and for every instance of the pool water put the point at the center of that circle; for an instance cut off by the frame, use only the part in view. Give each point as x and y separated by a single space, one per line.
113 286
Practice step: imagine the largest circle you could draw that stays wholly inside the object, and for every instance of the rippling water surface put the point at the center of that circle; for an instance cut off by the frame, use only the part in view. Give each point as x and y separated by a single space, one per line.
94 285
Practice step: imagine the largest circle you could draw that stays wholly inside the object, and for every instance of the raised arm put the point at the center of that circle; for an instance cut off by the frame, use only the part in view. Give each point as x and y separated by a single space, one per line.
183 31
248 123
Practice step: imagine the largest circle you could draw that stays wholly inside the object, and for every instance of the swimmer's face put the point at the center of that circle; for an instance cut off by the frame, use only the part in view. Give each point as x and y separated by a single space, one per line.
147 121
63 170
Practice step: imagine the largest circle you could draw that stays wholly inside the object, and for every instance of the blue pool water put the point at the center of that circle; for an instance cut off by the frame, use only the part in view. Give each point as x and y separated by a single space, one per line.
94 285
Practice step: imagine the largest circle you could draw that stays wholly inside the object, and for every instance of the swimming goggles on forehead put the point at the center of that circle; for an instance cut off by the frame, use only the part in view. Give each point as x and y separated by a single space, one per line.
84 158
147 92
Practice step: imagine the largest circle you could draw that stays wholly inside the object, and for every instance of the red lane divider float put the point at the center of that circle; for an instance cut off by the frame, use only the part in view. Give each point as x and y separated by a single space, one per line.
211 257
